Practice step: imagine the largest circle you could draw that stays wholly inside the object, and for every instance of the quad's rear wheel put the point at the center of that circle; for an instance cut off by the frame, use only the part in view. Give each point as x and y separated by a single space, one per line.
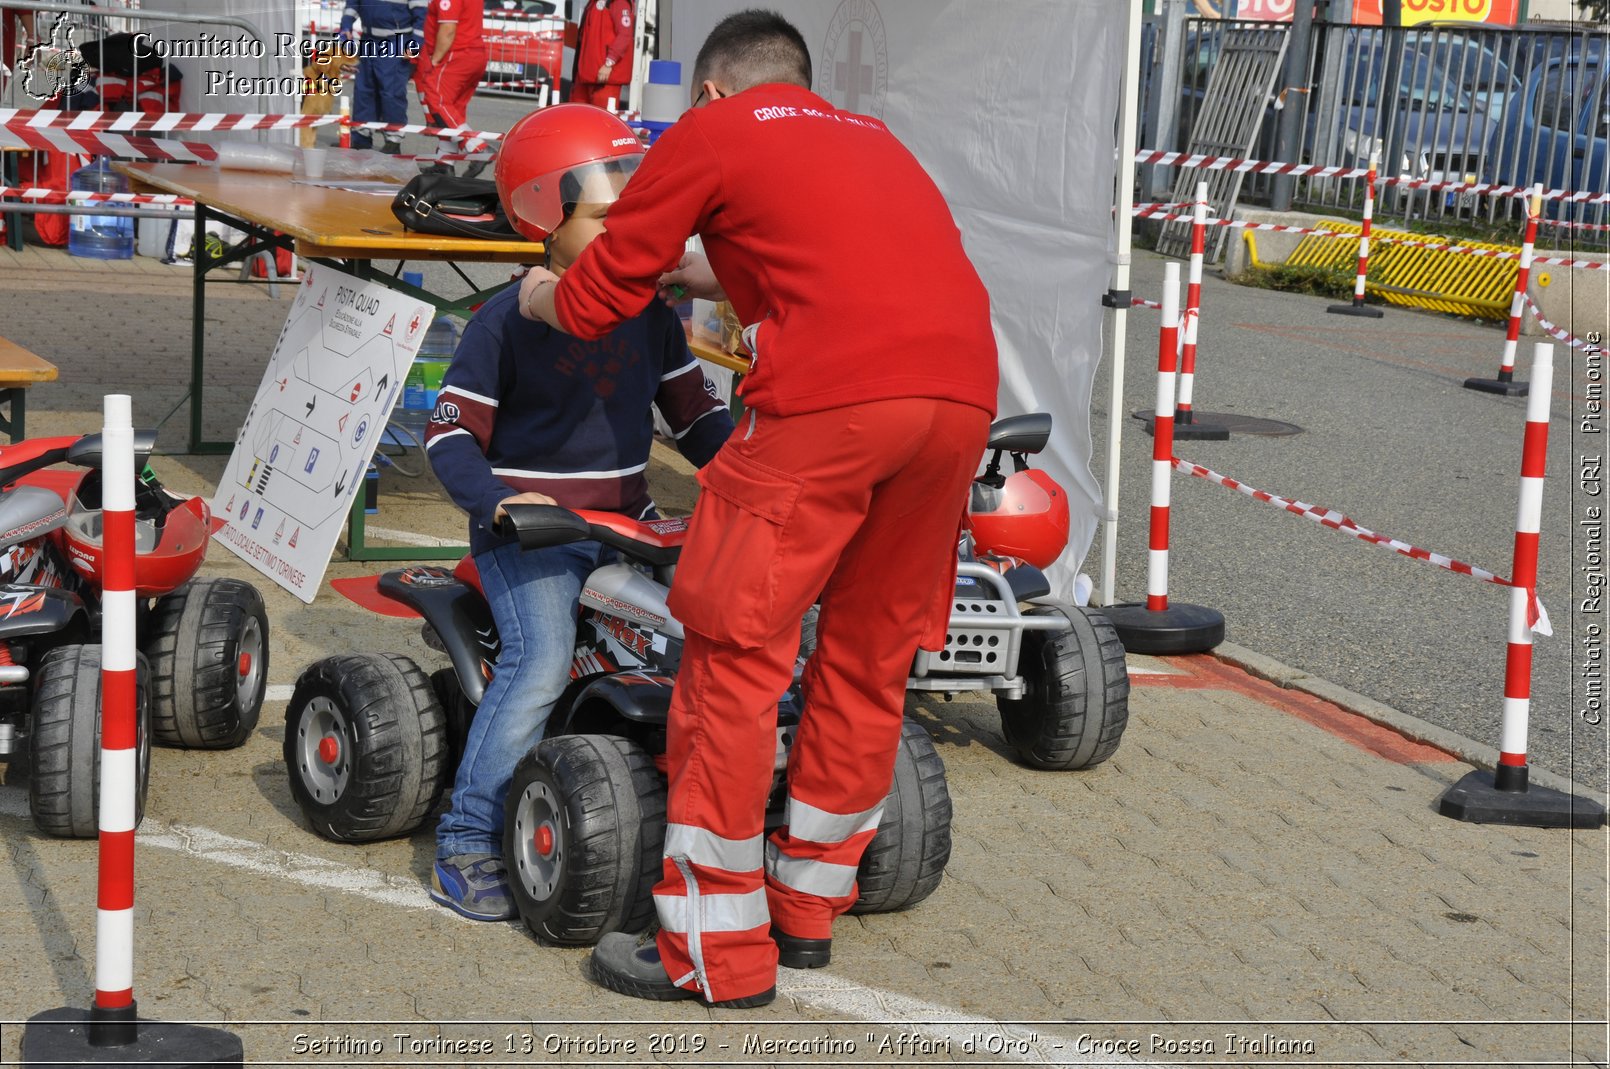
365 747
1076 704
582 837
64 789
208 646
906 858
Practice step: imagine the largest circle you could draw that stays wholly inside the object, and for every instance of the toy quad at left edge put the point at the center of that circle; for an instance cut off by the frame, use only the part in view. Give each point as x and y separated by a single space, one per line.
202 667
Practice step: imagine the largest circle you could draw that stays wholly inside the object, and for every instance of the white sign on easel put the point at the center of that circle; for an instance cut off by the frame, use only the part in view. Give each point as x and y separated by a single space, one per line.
300 456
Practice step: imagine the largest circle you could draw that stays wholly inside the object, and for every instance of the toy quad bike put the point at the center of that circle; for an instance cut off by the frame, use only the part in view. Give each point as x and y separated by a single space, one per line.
370 742
1057 670
203 662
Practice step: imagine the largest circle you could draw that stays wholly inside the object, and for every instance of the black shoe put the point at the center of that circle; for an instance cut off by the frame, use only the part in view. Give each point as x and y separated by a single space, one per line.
628 966
796 953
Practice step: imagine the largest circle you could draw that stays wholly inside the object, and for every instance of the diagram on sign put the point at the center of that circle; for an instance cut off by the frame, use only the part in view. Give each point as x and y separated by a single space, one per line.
312 428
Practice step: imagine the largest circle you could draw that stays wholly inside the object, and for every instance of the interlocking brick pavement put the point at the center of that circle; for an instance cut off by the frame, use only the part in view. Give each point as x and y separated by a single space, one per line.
1251 861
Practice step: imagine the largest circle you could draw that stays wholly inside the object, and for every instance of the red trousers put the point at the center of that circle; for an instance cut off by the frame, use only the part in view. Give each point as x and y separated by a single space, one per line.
445 91
863 506
598 94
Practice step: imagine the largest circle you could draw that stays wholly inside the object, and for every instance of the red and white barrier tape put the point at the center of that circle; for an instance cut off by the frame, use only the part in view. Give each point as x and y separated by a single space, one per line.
1565 224
1559 334
1338 522
57 196
1465 250
132 122
1141 302
1309 170
1240 224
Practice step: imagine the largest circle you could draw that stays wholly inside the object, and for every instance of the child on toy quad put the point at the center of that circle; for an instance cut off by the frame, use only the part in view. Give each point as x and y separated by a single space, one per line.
528 414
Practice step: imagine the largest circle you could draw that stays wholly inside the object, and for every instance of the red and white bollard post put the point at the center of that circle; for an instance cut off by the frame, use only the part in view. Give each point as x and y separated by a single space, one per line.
1358 307
112 1033
112 1017
1504 796
344 139
1157 626
1505 382
1189 424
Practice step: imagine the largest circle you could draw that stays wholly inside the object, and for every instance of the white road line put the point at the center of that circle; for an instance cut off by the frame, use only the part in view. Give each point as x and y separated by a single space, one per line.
1020 1043
410 538
304 869
826 992
279 692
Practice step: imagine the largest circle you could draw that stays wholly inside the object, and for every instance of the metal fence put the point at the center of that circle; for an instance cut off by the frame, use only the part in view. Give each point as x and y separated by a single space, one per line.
1472 105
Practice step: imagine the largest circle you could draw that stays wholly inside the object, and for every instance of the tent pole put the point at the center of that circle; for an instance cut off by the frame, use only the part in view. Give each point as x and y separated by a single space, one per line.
1119 297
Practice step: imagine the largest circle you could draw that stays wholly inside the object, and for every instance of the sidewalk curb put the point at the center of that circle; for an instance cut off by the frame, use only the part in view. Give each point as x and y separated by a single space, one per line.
1410 727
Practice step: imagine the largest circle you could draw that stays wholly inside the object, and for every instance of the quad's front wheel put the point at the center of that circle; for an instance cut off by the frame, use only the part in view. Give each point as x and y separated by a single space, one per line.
1076 704
208 646
906 858
582 837
365 747
64 790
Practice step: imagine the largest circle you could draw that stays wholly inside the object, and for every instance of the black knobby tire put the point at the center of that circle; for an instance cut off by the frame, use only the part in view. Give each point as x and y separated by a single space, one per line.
906 858
583 833
1076 705
208 647
65 742
365 747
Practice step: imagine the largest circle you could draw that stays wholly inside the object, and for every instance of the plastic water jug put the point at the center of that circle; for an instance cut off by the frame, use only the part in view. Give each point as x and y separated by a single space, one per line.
424 379
102 237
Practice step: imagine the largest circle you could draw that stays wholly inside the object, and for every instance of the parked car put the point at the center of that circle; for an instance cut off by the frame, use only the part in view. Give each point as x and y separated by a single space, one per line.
1451 92
525 43
1556 132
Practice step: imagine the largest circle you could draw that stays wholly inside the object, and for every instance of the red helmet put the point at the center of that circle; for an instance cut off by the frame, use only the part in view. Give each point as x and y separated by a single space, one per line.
542 164
1027 518
165 556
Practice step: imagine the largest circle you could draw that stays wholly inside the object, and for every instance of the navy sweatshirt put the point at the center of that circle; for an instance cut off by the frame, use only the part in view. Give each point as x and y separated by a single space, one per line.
526 407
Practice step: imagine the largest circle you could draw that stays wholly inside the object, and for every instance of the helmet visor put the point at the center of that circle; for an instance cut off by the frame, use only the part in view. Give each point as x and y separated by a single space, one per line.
548 200
87 525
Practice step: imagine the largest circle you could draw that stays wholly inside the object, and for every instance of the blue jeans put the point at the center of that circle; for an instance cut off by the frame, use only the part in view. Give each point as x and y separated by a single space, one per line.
533 595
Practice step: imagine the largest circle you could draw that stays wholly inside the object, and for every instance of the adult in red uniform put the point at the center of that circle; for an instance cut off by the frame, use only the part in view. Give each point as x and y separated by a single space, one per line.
453 61
603 53
873 383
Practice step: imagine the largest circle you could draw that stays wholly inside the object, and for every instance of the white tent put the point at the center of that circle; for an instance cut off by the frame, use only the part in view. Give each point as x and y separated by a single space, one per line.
1013 108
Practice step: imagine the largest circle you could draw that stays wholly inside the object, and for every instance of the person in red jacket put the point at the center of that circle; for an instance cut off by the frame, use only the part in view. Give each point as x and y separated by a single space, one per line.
603 53
452 62
872 385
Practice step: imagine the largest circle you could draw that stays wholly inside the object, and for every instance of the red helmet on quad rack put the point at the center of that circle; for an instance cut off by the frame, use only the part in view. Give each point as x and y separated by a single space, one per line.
1028 518
548 156
166 554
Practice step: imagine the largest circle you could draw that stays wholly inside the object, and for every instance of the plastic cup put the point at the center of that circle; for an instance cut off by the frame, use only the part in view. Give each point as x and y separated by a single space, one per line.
313 162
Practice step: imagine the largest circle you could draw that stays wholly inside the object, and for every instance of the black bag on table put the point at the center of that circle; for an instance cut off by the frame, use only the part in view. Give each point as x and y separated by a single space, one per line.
453 207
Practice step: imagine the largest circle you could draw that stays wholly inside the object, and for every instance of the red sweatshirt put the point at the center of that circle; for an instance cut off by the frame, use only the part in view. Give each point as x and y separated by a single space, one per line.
824 231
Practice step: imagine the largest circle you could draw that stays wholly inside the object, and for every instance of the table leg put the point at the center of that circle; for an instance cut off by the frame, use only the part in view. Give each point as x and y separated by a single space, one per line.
198 321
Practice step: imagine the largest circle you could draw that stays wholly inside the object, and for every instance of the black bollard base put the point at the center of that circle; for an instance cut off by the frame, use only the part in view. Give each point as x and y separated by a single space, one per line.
1200 427
73 1036
1476 800
1180 628
1507 387
1355 309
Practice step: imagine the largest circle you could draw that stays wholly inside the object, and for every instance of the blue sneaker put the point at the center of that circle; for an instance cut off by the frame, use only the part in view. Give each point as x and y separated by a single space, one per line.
474 886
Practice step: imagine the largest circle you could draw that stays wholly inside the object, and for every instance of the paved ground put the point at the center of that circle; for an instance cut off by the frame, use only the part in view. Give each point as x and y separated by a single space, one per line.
1254 862
1391 439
